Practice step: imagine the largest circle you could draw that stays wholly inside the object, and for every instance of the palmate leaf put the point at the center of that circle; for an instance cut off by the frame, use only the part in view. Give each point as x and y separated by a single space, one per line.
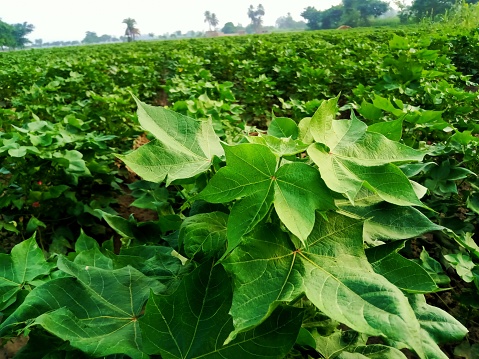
194 322
350 158
332 271
96 310
352 345
437 327
25 263
403 273
183 147
203 236
385 220
250 176
280 146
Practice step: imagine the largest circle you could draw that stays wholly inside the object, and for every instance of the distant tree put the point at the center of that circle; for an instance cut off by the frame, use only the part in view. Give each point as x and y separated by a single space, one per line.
20 31
229 28
313 18
214 21
151 34
90 38
432 8
211 19
287 22
39 42
6 35
256 16
105 38
332 17
131 31
349 12
405 12
351 15
371 8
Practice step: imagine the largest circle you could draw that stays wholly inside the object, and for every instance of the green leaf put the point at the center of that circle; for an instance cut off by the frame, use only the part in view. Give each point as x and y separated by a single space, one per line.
33 224
390 129
332 271
463 265
434 268
73 162
473 202
280 146
388 221
369 111
437 327
25 263
467 350
466 241
203 236
250 176
402 272
349 158
332 345
305 339
283 127
375 351
386 105
157 262
194 322
84 243
95 309
184 147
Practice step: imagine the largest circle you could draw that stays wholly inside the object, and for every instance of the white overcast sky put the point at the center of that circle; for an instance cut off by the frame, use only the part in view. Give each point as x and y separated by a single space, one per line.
65 20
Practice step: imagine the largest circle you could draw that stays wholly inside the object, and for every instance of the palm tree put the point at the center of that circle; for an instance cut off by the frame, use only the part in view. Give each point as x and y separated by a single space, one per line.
208 18
131 31
256 16
214 21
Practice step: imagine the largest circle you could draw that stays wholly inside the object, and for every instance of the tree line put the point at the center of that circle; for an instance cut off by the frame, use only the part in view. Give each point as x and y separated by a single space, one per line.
14 35
360 12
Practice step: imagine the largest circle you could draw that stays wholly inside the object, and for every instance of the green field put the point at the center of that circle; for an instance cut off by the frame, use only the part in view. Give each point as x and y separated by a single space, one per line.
300 195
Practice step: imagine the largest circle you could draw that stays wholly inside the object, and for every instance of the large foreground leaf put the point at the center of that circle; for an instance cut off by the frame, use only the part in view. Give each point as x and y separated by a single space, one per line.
96 310
403 273
349 158
23 265
183 148
437 327
332 271
388 221
194 322
250 176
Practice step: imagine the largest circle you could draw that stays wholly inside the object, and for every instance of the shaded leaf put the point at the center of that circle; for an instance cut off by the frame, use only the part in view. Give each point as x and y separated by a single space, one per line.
25 263
437 327
388 221
375 351
95 309
203 236
403 273
332 271
194 322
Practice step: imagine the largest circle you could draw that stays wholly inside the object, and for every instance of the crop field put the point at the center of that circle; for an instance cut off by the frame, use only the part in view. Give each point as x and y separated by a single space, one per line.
298 195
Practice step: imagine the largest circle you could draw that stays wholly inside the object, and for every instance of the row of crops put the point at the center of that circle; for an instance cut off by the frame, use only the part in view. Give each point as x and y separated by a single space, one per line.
307 194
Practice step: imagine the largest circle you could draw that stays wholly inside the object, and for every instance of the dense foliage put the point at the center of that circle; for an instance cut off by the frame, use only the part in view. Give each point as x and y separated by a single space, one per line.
285 220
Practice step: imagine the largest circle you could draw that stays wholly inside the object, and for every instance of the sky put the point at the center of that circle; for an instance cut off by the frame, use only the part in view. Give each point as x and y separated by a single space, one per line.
67 20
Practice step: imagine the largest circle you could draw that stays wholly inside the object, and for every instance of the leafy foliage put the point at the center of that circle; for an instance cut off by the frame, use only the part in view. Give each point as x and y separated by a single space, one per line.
271 232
